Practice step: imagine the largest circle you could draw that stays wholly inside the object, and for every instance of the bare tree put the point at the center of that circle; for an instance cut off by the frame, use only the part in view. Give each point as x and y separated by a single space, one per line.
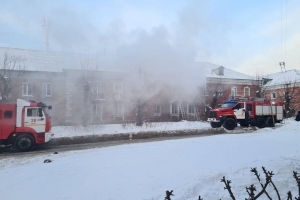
142 77
260 81
288 93
212 92
12 70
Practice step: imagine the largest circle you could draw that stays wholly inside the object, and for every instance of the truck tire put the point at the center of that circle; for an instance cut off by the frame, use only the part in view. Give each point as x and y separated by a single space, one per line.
24 142
269 122
260 122
229 124
215 124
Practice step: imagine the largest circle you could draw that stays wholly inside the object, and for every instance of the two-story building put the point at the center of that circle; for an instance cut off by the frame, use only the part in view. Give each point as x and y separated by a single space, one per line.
83 94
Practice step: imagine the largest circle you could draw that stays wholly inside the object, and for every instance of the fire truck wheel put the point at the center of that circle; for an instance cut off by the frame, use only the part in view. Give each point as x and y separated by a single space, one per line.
215 124
24 142
260 122
269 122
229 124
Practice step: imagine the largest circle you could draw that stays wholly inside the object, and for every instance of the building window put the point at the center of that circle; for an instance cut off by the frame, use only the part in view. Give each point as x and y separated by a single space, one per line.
26 89
98 110
273 95
119 110
97 92
246 91
46 90
191 109
174 108
118 96
157 110
118 87
233 91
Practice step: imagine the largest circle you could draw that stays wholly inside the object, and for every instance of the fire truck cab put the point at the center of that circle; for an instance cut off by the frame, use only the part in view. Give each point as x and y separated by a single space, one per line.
25 124
258 112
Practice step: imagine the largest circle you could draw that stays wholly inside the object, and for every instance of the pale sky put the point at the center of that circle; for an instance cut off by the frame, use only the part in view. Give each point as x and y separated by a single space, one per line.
247 36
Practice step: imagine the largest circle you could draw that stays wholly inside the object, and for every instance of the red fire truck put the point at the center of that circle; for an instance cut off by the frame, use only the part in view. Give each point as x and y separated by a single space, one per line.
25 124
258 112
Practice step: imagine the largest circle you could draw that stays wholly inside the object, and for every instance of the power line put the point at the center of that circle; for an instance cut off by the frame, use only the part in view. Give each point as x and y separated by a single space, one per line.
285 27
281 30
282 63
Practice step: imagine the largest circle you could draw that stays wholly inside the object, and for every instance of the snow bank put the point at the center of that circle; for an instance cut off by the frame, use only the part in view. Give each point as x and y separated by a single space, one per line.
71 131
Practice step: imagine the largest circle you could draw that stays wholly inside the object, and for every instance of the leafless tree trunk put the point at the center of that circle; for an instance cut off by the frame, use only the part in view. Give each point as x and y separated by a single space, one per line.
141 97
260 80
290 91
12 70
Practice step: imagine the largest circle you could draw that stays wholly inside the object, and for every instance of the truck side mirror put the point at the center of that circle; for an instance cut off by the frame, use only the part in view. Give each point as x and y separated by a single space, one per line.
50 107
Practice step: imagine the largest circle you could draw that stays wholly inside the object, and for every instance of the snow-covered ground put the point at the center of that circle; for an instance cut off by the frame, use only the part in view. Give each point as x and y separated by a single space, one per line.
190 167
71 131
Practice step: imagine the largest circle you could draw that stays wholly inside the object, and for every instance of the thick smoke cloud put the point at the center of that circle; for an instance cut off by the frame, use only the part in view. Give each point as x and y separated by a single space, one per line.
165 51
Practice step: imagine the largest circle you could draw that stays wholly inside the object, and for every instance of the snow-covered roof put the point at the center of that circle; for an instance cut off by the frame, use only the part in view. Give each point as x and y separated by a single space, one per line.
54 61
211 70
281 78
39 60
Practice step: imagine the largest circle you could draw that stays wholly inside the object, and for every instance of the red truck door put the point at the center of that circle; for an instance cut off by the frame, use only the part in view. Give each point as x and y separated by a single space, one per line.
33 120
7 121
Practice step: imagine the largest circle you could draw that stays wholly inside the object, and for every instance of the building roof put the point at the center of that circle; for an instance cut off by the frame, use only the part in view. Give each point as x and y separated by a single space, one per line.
40 60
53 61
281 78
211 70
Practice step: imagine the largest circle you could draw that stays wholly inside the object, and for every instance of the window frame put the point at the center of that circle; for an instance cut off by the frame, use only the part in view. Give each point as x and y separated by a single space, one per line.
31 111
193 108
245 91
174 107
273 94
26 85
119 107
249 105
5 116
233 88
98 110
118 87
157 107
45 91
97 93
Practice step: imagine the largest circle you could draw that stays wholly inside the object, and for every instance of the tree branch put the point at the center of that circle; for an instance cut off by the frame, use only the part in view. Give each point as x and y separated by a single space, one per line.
269 175
254 170
228 187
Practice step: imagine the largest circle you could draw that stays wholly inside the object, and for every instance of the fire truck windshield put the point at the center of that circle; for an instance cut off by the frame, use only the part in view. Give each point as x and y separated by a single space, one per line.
228 105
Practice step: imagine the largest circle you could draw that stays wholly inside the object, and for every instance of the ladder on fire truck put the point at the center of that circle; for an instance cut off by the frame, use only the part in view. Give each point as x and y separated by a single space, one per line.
181 109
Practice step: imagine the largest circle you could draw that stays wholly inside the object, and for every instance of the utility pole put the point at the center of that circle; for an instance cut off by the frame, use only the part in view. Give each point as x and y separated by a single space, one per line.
45 25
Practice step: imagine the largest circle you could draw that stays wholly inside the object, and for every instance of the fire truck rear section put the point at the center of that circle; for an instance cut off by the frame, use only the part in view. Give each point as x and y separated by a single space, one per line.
23 125
258 112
